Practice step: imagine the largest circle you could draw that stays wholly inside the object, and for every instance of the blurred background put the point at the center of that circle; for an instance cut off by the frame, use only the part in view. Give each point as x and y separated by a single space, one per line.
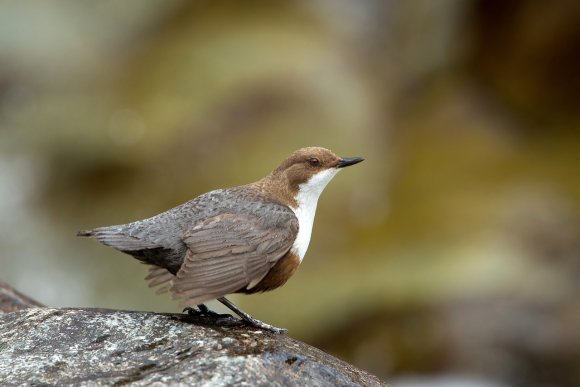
450 256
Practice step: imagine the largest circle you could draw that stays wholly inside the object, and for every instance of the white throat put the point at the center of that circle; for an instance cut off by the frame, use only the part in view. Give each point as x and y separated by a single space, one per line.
307 198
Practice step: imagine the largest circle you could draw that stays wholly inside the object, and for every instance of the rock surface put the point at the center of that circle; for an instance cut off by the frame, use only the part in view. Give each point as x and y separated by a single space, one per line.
41 346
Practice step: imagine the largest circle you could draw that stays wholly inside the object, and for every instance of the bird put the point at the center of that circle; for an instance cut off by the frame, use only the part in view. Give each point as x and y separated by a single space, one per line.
246 239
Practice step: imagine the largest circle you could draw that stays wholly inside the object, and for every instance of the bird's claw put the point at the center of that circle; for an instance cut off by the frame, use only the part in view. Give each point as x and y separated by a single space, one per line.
262 325
271 328
204 311
192 311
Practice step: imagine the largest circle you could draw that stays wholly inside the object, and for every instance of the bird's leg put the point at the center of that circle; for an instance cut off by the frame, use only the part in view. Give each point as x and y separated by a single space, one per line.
249 319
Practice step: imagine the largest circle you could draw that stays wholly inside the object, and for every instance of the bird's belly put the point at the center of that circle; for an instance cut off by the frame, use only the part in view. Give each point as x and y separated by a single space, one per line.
277 276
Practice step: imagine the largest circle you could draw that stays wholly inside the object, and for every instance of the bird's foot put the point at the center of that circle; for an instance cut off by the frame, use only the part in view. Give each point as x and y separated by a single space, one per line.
249 320
262 325
204 311
192 311
210 313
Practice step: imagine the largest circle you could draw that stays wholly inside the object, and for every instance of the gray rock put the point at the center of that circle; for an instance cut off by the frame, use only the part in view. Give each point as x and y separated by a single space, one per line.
12 300
45 346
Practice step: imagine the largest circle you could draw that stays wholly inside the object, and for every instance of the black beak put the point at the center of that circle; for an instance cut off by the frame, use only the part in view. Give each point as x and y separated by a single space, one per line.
346 161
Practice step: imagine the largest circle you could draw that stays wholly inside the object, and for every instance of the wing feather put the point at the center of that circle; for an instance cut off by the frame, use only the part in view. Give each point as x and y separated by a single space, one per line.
159 276
229 252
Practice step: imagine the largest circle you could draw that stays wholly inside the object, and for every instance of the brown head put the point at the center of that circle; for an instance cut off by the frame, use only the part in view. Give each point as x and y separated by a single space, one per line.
307 170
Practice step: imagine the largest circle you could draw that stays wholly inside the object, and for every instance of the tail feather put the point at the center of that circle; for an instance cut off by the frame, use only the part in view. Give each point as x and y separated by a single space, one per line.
85 233
116 237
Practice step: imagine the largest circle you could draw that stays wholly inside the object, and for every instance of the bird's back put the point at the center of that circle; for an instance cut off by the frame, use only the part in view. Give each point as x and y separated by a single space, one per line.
158 240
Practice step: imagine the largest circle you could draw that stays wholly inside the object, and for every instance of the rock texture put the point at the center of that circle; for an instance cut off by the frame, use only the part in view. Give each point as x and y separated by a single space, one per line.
42 346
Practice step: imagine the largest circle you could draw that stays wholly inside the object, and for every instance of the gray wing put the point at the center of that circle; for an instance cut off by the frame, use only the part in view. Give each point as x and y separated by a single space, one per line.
228 252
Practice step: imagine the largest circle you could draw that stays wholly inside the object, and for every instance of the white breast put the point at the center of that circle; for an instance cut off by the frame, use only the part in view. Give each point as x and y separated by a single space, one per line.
306 200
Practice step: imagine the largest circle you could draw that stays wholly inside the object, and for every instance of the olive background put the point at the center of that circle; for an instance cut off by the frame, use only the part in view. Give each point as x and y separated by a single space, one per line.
452 254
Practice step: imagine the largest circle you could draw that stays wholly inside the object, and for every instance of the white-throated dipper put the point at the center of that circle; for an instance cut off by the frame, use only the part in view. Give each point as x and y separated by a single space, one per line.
245 239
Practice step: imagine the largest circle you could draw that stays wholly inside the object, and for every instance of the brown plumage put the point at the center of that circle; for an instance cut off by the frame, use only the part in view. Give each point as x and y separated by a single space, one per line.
277 276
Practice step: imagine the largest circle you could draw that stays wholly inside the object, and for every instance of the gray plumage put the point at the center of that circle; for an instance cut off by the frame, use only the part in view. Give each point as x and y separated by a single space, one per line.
218 243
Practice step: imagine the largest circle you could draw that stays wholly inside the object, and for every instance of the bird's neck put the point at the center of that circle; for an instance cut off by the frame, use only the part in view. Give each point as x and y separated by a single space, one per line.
277 187
302 199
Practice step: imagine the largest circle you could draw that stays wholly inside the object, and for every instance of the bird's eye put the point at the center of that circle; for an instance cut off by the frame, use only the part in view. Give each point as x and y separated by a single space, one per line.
314 162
